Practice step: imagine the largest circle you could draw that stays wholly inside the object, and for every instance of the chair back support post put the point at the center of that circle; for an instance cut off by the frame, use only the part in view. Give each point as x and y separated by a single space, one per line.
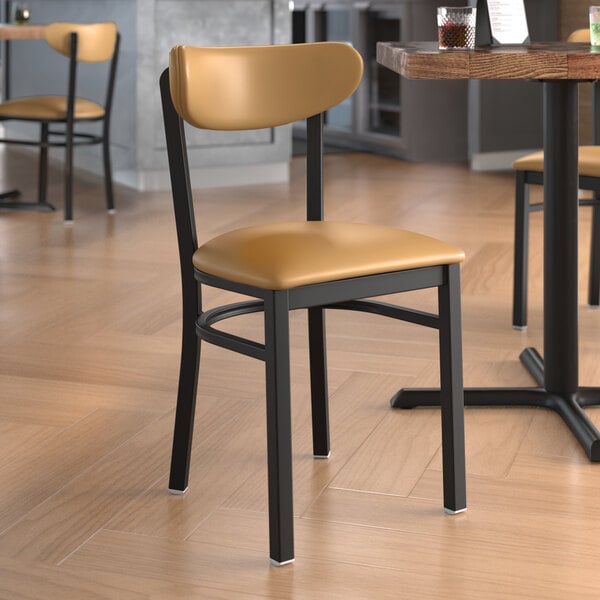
181 188
314 168
112 73
73 41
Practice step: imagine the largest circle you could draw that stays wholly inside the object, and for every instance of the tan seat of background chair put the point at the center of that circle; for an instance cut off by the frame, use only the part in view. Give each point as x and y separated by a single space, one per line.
589 161
50 108
529 171
311 265
88 43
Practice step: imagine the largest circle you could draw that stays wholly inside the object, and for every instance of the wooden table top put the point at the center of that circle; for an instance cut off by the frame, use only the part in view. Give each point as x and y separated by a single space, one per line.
545 60
22 32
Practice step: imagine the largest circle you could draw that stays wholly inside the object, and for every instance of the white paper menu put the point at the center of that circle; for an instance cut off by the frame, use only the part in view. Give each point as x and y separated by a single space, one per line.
508 21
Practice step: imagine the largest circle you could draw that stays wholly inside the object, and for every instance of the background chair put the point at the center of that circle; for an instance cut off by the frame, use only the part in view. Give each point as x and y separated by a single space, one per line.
530 170
90 43
313 264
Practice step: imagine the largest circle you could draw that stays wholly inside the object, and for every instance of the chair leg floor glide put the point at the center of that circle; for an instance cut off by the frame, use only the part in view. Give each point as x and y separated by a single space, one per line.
448 511
282 563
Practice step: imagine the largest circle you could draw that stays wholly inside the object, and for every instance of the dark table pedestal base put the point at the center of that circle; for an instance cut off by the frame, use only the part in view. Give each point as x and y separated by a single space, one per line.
8 202
569 407
556 375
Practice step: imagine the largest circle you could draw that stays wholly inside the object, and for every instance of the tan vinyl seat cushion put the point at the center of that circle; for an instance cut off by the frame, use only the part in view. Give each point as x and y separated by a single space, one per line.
589 161
280 256
49 108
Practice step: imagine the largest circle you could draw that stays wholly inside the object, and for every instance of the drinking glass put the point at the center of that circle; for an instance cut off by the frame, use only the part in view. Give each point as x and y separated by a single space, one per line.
595 25
456 27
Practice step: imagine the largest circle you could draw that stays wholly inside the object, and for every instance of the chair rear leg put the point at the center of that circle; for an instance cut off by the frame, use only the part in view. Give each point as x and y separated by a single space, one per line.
318 382
594 278
520 272
108 182
279 432
43 164
186 394
452 395
69 174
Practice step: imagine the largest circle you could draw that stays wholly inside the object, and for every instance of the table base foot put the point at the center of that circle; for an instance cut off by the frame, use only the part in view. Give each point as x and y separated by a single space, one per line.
534 363
570 408
7 203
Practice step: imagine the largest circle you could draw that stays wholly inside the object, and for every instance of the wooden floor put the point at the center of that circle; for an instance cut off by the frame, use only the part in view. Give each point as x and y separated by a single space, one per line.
88 372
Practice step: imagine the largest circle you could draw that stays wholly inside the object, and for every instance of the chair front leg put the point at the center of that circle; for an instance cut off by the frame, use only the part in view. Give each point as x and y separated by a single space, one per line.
594 278
451 393
520 272
69 172
318 382
186 394
279 432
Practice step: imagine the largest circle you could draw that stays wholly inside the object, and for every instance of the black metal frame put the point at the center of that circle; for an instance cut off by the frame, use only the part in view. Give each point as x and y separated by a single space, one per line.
523 179
345 294
69 139
556 377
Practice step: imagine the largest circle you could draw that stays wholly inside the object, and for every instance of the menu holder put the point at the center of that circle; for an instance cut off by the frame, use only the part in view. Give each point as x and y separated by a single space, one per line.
501 22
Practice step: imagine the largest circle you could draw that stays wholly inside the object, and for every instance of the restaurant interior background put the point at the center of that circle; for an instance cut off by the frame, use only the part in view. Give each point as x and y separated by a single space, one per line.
91 332
492 122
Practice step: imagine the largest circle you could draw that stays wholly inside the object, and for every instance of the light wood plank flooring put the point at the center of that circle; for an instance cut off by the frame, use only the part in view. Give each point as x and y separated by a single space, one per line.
88 370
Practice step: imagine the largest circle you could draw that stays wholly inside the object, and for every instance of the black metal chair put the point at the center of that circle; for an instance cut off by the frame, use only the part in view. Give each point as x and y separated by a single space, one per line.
529 170
93 43
314 264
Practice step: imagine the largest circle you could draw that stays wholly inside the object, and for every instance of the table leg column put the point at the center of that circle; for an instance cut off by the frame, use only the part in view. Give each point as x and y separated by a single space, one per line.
561 362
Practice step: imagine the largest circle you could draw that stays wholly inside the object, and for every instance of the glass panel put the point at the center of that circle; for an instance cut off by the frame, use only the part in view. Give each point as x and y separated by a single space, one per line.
338 25
384 85
338 28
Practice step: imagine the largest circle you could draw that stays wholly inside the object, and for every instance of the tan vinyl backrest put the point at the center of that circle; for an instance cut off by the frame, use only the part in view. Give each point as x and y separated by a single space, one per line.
95 41
580 35
253 87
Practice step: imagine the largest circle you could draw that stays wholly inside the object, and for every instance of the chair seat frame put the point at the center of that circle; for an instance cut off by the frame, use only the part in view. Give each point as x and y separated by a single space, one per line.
345 294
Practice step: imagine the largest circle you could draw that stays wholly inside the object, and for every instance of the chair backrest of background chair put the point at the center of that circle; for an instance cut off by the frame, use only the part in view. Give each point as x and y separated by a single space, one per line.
254 87
96 42
580 35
